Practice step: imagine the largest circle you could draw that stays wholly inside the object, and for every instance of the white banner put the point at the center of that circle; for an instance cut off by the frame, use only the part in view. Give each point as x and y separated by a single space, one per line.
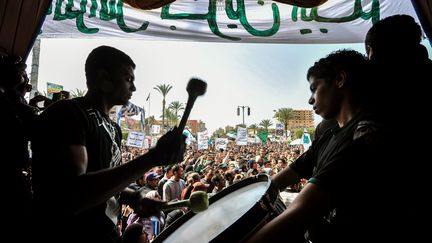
221 143
135 139
336 21
202 140
241 136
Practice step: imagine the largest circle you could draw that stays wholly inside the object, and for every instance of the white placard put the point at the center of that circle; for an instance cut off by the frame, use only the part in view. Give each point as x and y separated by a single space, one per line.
155 129
202 140
241 136
221 143
135 139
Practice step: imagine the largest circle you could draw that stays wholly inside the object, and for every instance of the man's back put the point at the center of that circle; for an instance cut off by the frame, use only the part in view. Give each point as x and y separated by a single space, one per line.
71 123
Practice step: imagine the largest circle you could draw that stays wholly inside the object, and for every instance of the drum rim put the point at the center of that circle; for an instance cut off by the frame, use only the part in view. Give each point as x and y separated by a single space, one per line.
248 181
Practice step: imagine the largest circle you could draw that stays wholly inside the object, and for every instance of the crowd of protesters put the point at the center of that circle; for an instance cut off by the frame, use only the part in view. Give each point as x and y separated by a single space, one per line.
210 170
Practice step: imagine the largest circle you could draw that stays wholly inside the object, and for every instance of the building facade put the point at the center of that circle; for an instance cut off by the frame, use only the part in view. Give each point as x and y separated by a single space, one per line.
196 126
303 119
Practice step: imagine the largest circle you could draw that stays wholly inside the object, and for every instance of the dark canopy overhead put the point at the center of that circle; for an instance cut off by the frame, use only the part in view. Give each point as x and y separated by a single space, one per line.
21 20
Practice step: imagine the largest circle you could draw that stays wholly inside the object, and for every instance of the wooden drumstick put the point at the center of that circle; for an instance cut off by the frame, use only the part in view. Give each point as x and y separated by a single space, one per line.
197 202
196 87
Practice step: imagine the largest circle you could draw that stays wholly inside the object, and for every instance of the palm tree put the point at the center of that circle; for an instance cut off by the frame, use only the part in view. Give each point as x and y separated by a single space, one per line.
175 107
284 115
78 93
171 118
254 128
163 89
266 123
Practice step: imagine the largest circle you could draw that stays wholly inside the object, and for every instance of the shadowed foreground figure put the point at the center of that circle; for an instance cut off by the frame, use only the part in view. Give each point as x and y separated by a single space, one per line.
16 195
336 205
78 175
401 71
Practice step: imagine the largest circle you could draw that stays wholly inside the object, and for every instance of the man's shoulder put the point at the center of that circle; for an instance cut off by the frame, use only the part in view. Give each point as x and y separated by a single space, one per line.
368 129
62 106
63 114
169 182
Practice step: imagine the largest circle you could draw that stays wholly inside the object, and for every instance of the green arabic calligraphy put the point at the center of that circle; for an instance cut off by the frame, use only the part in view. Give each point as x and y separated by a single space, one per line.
232 14
108 12
113 10
357 13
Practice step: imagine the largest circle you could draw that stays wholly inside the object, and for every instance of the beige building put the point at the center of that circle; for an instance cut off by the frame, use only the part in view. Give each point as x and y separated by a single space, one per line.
196 126
303 119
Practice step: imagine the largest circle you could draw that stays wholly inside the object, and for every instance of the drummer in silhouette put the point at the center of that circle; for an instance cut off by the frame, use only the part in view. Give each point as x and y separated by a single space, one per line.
331 207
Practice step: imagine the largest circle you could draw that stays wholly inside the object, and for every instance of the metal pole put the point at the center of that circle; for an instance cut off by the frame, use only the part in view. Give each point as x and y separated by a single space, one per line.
243 114
35 66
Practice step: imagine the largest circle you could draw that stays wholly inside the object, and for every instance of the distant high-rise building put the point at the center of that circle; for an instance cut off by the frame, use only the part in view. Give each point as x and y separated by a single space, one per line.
303 119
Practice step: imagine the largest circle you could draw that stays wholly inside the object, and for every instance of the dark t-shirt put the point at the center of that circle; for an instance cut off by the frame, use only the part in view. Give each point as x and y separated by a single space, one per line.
348 163
66 123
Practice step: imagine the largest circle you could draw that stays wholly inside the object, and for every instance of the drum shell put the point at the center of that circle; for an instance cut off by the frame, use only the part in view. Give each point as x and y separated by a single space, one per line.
268 207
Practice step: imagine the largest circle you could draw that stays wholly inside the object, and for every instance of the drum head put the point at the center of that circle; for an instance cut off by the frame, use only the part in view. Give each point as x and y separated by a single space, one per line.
225 208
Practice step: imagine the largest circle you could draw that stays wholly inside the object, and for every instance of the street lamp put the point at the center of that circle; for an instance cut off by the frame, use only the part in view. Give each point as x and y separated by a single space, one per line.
243 107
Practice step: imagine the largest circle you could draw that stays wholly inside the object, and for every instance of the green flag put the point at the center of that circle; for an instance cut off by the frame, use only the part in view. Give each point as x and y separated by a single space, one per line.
263 136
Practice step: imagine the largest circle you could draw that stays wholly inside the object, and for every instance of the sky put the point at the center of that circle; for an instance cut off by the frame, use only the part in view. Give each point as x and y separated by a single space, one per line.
264 77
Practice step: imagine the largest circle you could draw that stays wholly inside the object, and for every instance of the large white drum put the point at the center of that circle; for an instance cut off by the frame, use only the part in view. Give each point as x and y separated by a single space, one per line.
233 214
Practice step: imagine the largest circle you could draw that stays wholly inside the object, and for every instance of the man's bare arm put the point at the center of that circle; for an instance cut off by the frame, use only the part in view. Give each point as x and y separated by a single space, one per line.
311 203
94 188
285 178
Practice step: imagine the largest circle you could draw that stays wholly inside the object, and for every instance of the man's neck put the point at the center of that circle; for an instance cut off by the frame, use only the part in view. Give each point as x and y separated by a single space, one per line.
346 113
98 102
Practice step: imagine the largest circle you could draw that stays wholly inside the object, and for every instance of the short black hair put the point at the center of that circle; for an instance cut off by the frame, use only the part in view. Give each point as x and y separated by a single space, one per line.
12 69
104 58
390 34
351 62
176 168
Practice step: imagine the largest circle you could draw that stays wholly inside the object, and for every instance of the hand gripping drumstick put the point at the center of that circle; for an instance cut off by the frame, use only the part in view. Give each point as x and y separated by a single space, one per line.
196 87
197 202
